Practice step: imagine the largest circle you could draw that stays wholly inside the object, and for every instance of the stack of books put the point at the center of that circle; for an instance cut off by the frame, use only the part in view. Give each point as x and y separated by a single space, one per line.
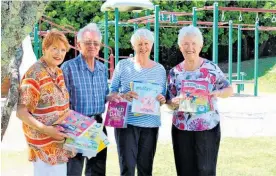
86 135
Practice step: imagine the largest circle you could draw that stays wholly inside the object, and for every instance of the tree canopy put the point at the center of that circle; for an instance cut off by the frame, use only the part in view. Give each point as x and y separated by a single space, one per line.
80 13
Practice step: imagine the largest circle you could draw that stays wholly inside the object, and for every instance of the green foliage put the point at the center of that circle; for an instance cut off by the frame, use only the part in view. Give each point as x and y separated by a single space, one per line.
80 13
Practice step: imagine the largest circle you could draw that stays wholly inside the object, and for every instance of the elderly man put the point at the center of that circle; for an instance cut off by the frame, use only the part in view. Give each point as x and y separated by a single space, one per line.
86 81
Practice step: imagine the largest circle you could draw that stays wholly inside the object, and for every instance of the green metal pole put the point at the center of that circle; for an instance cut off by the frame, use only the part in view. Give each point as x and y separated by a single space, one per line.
148 24
106 38
256 55
36 41
215 33
156 34
135 25
116 36
194 16
239 57
230 50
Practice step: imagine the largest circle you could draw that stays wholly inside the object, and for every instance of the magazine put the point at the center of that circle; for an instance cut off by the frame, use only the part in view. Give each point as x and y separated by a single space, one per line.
196 98
75 124
89 143
146 102
116 115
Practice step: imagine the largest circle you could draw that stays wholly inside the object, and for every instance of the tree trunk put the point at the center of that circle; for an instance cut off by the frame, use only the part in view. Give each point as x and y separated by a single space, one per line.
13 91
17 21
246 49
262 47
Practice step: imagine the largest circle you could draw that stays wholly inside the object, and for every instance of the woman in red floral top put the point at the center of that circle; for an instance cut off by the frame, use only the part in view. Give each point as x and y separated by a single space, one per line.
193 88
43 101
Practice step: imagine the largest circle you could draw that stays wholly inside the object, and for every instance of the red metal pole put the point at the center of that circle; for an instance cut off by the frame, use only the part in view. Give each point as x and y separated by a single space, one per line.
111 60
241 9
177 13
139 19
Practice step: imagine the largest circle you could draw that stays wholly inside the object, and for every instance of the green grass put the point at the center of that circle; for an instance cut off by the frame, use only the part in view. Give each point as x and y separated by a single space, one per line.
237 157
267 73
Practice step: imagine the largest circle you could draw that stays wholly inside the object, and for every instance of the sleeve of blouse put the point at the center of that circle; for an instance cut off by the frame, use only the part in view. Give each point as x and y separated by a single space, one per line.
171 87
64 68
116 81
29 91
221 81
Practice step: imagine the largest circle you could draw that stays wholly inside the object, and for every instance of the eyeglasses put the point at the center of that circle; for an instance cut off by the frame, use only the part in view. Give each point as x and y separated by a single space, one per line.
90 43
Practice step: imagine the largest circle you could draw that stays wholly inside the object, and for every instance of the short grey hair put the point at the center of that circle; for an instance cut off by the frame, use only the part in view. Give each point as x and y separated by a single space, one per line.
91 27
142 32
190 31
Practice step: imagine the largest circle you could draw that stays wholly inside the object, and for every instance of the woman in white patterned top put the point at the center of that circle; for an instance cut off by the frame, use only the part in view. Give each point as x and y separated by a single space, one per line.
136 144
193 88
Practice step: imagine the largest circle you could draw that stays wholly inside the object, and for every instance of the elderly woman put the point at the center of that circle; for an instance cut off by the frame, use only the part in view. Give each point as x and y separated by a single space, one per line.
136 144
43 101
195 131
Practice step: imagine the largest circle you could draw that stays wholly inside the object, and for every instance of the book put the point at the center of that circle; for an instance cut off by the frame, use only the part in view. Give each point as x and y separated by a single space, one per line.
146 102
90 142
75 124
116 115
196 98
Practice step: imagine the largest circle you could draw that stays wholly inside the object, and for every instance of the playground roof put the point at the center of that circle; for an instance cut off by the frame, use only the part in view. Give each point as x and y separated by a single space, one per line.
127 5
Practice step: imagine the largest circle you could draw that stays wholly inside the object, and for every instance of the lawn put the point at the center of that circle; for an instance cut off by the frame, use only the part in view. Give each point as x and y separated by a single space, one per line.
267 73
238 156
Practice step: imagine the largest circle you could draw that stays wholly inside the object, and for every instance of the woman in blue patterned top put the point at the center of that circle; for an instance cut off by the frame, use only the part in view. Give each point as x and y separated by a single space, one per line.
136 144
193 88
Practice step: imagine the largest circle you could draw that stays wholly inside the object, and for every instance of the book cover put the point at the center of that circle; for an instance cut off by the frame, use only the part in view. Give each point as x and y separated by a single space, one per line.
75 124
146 102
116 115
89 143
196 98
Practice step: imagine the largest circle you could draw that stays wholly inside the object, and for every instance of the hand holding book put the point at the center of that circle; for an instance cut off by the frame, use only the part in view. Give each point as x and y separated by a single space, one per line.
130 95
216 93
161 98
114 97
55 132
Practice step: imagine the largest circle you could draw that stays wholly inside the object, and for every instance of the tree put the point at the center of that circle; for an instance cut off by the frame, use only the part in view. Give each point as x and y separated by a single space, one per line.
80 13
18 19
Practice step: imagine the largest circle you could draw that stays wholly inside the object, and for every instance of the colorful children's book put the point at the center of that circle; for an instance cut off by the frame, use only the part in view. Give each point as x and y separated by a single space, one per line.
75 124
196 98
90 142
116 115
146 102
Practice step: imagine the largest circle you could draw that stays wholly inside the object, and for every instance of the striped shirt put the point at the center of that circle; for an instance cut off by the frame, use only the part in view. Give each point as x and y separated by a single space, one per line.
47 99
87 89
127 71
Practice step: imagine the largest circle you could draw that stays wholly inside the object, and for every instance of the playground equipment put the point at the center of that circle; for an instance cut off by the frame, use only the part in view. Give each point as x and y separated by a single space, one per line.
68 30
170 19
240 82
126 5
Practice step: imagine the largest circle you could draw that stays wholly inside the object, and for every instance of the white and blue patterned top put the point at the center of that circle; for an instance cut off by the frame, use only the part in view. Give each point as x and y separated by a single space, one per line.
126 72
209 72
87 89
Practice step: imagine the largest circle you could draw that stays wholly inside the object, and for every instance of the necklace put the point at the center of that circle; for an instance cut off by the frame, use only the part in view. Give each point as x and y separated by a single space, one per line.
53 74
